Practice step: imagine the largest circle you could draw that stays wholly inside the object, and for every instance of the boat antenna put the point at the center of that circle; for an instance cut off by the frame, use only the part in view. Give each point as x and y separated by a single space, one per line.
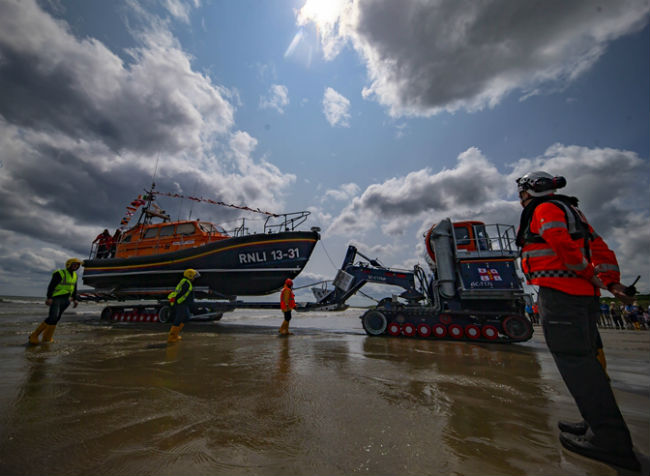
155 171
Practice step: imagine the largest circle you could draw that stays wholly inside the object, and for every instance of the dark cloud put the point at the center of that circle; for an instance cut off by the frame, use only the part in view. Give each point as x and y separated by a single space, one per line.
474 182
52 81
424 56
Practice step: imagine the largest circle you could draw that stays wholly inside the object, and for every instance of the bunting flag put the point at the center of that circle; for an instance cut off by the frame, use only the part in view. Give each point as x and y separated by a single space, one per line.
214 202
130 211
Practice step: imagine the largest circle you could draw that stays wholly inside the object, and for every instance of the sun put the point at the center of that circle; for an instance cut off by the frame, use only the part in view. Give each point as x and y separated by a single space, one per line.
323 13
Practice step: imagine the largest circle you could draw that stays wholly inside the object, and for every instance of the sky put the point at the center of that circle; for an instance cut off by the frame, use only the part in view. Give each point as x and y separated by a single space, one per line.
380 117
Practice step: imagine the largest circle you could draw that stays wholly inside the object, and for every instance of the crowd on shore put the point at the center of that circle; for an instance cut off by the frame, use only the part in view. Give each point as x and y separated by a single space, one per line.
612 316
617 316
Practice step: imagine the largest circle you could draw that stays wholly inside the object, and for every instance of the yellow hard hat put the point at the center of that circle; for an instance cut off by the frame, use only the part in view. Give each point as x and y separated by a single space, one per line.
191 273
72 261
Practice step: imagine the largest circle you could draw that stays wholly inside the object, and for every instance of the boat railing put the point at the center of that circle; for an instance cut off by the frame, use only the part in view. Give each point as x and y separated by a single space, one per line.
285 222
241 230
490 241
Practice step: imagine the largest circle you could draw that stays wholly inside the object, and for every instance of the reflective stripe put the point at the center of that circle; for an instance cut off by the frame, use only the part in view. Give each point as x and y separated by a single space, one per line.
543 252
571 220
551 273
537 253
178 289
551 224
578 267
607 267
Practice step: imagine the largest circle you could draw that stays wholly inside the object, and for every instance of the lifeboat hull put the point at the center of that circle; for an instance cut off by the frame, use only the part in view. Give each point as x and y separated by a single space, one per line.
240 266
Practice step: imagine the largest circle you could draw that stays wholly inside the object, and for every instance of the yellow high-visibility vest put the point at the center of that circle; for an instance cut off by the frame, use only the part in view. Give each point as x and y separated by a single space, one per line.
67 284
178 290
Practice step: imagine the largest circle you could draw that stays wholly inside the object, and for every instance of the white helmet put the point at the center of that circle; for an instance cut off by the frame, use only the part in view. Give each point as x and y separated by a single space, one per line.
539 184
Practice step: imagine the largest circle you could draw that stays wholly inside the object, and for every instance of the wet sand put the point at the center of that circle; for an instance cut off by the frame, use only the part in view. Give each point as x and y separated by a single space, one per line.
233 398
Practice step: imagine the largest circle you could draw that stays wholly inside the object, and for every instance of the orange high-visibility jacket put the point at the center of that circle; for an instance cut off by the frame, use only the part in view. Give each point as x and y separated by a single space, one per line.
559 261
287 299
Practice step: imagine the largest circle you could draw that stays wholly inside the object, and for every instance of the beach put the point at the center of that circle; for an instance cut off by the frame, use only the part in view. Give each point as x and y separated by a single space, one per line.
234 398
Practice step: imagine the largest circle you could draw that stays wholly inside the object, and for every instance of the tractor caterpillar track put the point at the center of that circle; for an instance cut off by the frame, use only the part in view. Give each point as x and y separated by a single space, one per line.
423 322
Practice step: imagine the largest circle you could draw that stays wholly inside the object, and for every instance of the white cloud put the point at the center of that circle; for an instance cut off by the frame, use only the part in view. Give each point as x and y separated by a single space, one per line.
344 192
180 10
423 57
277 98
336 108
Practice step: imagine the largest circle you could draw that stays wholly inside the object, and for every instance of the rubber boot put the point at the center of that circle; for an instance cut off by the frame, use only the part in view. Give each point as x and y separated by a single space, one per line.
33 337
173 336
49 332
284 328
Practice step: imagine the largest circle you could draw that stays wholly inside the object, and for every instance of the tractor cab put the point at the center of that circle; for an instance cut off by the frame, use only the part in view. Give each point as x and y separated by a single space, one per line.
471 236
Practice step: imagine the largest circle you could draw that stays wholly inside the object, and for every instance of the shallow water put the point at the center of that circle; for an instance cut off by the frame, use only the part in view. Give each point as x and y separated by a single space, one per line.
233 398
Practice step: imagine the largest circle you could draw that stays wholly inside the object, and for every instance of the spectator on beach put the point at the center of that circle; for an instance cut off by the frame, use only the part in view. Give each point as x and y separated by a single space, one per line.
287 303
615 312
634 315
61 290
570 263
535 312
604 320
628 316
529 312
115 239
181 300
103 241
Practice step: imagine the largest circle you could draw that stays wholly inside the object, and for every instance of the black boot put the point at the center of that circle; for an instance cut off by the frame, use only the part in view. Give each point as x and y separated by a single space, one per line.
618 457
578 428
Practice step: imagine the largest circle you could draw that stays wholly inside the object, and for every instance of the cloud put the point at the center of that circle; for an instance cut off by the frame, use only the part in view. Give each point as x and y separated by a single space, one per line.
51 80
607 182
423 57
474 181
179 9
344 192
336 108
277 98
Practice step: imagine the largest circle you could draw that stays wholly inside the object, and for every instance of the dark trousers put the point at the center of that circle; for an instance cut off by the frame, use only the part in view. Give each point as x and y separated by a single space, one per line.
181 313
287 315
569 324
618 322
59 304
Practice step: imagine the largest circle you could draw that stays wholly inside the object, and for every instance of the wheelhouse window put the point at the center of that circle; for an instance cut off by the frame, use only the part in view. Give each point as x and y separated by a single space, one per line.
150 233
462 236
481 237
167 230
185 229
207 227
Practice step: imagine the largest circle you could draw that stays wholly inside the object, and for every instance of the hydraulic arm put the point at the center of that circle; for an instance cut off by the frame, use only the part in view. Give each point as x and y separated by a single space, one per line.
352 277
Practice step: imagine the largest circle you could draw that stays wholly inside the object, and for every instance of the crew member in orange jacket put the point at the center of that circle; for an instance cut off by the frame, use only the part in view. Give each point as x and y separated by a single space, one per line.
570 263
287 303
104 243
